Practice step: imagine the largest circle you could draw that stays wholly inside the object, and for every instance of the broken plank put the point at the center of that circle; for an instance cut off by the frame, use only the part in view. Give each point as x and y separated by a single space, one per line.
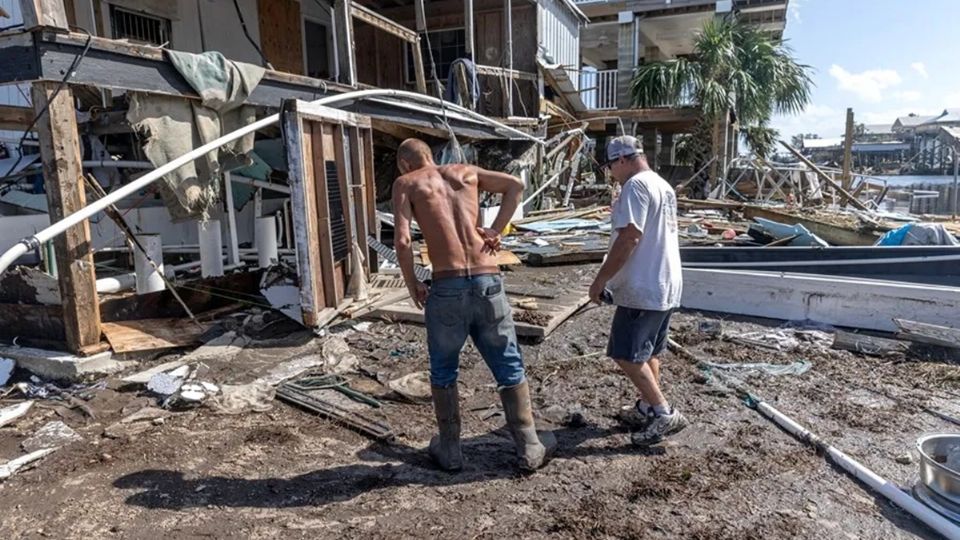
930 334
143 377
11 413
504 257
832 234
152 334
869 345
406 311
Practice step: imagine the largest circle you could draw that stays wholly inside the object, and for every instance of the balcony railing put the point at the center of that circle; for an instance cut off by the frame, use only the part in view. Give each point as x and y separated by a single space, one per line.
598 89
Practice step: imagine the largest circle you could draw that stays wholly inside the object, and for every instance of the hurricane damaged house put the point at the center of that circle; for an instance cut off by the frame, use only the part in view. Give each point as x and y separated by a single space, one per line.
96 95
99 93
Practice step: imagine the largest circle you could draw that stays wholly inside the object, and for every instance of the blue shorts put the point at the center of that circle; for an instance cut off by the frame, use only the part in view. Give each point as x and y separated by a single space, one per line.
636 335
475 306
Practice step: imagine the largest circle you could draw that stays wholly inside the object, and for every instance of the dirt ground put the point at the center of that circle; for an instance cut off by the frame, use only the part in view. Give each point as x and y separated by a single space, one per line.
287 473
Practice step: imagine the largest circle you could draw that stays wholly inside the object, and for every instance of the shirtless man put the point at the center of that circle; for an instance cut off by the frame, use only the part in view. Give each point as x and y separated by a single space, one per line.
466 295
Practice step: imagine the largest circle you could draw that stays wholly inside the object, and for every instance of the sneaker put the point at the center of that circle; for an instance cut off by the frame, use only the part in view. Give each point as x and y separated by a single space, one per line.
660 427
637 416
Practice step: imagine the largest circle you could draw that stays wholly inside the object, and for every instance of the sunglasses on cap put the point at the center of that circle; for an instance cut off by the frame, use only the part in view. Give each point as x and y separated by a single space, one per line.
609 163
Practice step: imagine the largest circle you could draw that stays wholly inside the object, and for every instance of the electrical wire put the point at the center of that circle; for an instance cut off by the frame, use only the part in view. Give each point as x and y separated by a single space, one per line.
63 83
246 32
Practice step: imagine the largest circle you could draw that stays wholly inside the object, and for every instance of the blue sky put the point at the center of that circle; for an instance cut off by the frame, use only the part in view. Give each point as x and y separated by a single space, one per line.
883 58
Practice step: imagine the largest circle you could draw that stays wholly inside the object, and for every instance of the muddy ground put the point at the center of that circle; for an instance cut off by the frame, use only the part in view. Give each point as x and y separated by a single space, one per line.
286 473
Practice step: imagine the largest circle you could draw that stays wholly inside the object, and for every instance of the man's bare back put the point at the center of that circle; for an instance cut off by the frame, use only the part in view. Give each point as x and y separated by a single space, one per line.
445 202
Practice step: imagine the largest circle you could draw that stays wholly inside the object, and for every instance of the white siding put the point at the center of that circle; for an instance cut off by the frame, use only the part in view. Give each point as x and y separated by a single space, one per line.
10 94
560 35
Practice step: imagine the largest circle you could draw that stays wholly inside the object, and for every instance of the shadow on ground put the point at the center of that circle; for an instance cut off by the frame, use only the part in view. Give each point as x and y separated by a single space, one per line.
487 457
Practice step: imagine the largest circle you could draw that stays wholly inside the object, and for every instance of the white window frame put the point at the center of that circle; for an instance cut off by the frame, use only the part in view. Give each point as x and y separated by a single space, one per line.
331 44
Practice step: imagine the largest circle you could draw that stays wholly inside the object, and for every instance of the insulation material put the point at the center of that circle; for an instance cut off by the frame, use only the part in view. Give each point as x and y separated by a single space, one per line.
175 126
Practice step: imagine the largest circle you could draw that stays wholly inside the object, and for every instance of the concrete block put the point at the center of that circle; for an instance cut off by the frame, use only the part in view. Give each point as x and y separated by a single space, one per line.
60 365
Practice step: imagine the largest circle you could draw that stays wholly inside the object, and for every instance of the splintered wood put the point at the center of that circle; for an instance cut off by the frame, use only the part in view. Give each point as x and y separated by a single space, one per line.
538 323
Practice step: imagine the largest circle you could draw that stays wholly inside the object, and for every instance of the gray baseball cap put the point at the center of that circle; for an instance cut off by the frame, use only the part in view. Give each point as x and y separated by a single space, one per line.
623 146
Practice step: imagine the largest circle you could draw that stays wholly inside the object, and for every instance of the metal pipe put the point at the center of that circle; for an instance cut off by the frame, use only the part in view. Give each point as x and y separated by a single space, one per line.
260 183
135 186
956 173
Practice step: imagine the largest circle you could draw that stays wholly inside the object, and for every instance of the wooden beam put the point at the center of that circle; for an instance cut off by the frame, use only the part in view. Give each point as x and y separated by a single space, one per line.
380 22
468 28
418 68
846 179
823 176
345 47
48 13
60 152
505 72
680 114
15 118
931 334
868 345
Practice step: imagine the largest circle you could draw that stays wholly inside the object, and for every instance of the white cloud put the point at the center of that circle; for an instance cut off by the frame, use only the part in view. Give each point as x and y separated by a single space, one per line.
795 10
952 100
819 111
920 68
868 85
908 96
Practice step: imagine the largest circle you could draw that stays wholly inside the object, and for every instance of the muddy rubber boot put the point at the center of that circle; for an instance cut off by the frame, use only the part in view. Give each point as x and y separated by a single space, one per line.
445 447
533 448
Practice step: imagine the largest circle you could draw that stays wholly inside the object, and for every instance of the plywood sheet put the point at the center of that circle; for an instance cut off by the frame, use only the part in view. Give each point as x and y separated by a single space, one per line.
281 34
152 334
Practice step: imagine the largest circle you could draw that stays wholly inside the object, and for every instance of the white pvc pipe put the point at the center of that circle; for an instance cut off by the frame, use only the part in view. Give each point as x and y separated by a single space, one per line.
149 278
211 248
265 238
99 205
877 483
122 282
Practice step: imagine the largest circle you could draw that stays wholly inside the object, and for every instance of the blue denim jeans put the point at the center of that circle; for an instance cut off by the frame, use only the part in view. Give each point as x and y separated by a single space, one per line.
476 306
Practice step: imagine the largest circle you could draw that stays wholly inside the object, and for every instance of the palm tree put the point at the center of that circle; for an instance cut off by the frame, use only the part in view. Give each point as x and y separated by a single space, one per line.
733 68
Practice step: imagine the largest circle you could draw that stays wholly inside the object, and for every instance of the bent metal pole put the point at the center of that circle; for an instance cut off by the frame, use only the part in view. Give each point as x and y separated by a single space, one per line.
33 242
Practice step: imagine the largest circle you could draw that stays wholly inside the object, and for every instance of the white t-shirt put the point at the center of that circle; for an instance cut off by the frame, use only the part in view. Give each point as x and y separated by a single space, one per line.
652 277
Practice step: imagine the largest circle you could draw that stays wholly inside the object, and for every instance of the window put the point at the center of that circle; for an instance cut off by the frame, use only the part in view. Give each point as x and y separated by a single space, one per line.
446 46
125 24
315 49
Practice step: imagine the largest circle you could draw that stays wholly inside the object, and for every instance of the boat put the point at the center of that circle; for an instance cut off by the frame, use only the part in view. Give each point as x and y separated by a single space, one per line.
932 265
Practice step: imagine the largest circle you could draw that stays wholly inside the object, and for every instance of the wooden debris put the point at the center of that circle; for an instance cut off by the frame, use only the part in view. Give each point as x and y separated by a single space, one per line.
152 334
504 257
869 345
930 334
11 413
533 324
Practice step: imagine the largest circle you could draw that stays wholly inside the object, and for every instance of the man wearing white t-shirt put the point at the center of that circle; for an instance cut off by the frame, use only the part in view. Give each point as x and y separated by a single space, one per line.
641 275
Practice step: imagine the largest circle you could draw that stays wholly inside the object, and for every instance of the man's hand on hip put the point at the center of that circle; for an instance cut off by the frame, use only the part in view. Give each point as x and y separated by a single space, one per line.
491 239
419 293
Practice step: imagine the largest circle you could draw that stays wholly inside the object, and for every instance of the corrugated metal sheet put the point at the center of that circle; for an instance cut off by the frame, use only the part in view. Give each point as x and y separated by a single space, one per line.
560 35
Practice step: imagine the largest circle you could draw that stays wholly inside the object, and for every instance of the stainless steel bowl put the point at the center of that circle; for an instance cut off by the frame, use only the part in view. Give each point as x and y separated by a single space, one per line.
933 473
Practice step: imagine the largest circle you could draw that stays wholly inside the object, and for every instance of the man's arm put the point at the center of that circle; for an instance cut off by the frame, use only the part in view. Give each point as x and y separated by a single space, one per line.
511 188
627 240
403 214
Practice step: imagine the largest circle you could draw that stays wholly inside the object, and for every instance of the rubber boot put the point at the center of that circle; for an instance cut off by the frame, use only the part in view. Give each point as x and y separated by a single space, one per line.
445 447
533 448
